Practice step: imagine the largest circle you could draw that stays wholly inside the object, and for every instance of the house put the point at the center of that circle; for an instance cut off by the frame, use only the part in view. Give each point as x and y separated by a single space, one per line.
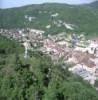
55 15
52 46
84 73
84 59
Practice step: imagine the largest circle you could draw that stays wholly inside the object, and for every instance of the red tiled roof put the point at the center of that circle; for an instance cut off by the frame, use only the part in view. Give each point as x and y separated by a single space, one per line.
84 58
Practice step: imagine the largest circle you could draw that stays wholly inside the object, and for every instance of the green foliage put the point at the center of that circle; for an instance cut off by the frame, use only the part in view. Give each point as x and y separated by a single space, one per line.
37 78
85 18
9 46
96 83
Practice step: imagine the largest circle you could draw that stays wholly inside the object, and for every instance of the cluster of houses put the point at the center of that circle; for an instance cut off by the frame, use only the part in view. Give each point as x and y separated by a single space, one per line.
83 58
33 37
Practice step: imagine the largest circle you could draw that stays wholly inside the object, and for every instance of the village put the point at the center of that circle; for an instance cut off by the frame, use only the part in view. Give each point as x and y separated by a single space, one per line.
75 49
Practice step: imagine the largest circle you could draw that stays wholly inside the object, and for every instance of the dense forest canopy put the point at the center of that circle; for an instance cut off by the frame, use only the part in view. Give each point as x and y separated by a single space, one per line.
37 78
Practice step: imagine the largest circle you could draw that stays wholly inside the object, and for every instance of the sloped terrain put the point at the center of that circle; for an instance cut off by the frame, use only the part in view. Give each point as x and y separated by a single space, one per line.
52 18
37 77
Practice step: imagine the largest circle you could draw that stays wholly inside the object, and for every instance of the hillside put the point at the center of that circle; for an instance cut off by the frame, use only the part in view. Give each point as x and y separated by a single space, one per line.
94 4
37 78
52 17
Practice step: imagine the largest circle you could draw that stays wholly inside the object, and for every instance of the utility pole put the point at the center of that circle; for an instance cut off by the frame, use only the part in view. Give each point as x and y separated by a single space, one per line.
26 49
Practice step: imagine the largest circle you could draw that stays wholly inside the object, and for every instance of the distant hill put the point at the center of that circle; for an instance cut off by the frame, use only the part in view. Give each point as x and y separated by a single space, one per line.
52 17
94 4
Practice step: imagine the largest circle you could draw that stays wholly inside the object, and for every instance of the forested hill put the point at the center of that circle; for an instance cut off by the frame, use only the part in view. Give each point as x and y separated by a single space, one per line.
94 4
37 78
52 17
